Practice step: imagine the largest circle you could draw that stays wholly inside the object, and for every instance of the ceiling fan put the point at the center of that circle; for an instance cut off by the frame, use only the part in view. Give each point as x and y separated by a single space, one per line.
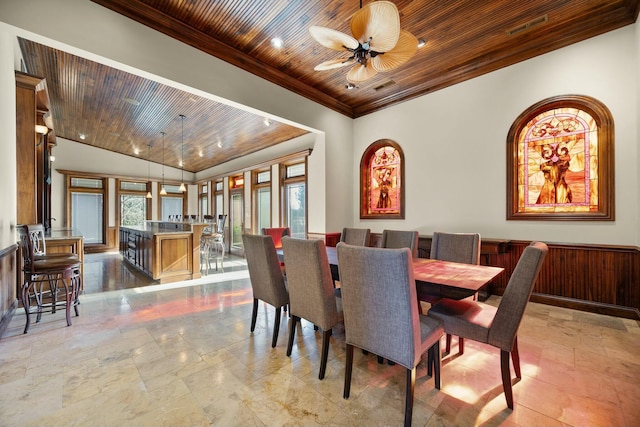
377 45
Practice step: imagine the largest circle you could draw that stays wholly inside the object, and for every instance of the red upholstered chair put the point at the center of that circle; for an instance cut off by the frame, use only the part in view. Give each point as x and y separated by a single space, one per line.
276 234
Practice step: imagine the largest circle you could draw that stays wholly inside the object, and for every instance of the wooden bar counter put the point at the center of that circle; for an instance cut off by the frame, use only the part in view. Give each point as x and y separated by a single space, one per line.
165 251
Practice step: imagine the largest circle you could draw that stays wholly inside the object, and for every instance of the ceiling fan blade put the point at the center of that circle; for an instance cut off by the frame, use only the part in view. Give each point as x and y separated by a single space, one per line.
405 49
360 73
378 21
334 63
332 39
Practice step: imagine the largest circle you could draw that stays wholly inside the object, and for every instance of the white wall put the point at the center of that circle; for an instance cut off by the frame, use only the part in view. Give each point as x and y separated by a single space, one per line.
454 142
637 93
8 191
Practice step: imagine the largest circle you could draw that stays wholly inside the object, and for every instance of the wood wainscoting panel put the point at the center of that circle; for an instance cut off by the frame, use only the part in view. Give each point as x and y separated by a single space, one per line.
8 285
173 257
597 278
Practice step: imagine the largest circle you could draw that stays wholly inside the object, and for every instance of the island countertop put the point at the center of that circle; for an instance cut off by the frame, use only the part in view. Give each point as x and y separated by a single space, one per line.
62 234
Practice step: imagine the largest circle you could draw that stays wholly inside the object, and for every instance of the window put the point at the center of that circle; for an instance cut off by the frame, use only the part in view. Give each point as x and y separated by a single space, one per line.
262 199
87 208
236 207
295 199
219 207
134 205
381 181
560 161
172 205
203 199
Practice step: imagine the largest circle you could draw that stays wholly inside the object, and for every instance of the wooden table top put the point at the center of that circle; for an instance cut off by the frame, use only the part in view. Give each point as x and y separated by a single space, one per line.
439 279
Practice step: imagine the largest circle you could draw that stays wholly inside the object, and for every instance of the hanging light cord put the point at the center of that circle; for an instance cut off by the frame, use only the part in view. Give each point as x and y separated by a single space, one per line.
162 159
182 149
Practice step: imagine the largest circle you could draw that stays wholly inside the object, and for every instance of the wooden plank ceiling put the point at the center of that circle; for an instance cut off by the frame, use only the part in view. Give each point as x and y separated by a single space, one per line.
464 39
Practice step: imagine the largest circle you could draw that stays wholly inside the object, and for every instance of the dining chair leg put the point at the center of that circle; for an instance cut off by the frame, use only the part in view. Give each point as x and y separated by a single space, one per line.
460 345
408 404
515 358
447 349
347 372
254 314
436 362
276 327
292 333
326 335
506 377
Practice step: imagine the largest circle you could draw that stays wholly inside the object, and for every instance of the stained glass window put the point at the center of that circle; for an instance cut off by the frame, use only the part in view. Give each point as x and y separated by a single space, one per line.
558 162
560 153
381 176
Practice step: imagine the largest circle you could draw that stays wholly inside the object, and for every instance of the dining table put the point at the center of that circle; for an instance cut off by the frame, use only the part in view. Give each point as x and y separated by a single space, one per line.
435 279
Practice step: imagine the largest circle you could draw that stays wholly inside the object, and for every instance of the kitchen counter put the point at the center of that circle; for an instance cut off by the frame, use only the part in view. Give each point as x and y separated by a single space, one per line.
165 251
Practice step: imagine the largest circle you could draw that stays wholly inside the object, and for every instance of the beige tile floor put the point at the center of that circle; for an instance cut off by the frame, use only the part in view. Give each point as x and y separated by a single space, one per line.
183 355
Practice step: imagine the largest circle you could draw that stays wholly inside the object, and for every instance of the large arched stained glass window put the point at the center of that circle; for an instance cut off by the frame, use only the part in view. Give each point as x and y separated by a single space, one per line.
560 154
381 181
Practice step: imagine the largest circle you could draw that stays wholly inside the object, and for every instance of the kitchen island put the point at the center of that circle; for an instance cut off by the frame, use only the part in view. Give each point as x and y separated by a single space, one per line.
165 251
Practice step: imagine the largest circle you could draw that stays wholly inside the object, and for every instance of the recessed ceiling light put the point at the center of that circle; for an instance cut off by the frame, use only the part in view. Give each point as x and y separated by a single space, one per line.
350 86
132 101
82 136
201 154
266 122
421 42
277 42
136 151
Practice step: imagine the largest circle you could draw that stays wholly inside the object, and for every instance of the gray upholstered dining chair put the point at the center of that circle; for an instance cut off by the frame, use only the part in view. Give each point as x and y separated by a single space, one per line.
267 281
497 326
356 236
381 313
394 239
311 293
454 247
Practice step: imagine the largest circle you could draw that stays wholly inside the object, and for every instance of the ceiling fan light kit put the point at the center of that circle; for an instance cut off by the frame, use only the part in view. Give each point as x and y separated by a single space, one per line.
378 43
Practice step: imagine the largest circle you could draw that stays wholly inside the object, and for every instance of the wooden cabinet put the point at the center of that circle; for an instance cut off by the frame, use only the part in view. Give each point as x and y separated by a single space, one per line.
166 253
32 151
136 248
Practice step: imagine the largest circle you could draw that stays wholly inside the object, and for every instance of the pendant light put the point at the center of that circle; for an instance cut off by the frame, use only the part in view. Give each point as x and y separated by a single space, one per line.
182 186
149 196
163 191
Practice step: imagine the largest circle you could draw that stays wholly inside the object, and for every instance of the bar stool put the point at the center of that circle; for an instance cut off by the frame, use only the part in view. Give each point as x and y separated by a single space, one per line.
58 271
212 242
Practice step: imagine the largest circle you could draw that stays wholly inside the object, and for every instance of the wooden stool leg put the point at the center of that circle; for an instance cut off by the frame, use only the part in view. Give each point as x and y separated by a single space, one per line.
69 298
25 304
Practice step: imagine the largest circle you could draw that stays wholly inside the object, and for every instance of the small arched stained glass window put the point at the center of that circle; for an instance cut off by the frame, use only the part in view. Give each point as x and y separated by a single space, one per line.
381 181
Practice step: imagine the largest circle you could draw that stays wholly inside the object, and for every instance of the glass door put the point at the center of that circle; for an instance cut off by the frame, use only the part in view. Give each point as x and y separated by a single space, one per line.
237 219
